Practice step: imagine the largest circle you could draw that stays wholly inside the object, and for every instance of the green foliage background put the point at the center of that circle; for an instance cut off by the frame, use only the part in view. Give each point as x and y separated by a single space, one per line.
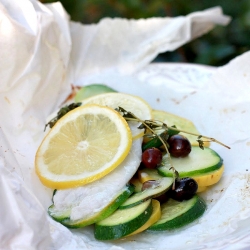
215 48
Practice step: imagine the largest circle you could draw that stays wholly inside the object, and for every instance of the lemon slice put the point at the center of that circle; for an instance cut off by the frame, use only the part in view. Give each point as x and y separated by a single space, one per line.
84 145
134 104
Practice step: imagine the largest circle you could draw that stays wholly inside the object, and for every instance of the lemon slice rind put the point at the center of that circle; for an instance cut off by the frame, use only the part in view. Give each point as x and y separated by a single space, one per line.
52 177
134 104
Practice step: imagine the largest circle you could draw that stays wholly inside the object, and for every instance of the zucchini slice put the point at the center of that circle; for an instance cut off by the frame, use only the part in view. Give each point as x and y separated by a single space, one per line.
198 162
155 216
123 222
162 185
176 214
203 180
181 123
58 215
91 90
64 216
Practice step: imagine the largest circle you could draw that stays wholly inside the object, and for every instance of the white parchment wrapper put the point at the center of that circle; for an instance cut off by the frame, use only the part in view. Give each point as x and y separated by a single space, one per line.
42 53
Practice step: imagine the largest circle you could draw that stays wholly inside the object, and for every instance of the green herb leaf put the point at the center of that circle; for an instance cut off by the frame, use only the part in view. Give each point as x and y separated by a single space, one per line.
63 111
201 143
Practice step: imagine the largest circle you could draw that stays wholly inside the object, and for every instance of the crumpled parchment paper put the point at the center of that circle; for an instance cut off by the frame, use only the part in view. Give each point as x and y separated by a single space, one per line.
42 53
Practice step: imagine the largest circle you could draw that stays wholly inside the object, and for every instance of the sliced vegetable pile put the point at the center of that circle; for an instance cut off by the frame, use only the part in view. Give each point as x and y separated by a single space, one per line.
116 163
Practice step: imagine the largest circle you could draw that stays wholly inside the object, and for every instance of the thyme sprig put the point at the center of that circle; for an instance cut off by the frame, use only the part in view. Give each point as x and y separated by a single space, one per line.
150 125
153 125
62 111
200 138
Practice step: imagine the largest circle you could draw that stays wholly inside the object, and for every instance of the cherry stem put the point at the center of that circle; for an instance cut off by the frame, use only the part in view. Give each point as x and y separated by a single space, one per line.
176 176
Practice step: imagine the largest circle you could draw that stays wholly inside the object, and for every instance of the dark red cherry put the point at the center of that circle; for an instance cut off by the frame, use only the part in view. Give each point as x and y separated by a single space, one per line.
185 189
179 146
162 198
151 158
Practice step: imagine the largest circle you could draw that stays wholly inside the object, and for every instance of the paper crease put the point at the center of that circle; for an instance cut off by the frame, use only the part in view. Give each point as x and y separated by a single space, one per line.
42 53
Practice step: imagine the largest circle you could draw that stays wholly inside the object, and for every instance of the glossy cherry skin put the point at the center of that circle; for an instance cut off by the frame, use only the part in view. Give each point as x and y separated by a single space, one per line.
152 158
185 189
163 198
179 146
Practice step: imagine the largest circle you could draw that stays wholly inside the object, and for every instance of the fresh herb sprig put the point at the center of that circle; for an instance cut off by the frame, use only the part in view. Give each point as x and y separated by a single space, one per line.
62 111
145 124
151 126
154 125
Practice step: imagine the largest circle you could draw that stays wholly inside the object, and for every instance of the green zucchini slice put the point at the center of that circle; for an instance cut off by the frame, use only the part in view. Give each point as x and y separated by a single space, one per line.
123 222
91 90
162 185
176 214
64 215
199 161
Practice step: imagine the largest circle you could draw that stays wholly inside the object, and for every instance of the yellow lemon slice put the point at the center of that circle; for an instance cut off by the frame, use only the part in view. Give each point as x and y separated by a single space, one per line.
84 145
134 104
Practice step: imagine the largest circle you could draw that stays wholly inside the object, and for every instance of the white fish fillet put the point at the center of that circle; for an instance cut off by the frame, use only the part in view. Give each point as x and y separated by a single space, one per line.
87 200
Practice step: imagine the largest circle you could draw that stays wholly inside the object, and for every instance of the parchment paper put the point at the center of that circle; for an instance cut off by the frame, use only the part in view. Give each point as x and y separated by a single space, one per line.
41 54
